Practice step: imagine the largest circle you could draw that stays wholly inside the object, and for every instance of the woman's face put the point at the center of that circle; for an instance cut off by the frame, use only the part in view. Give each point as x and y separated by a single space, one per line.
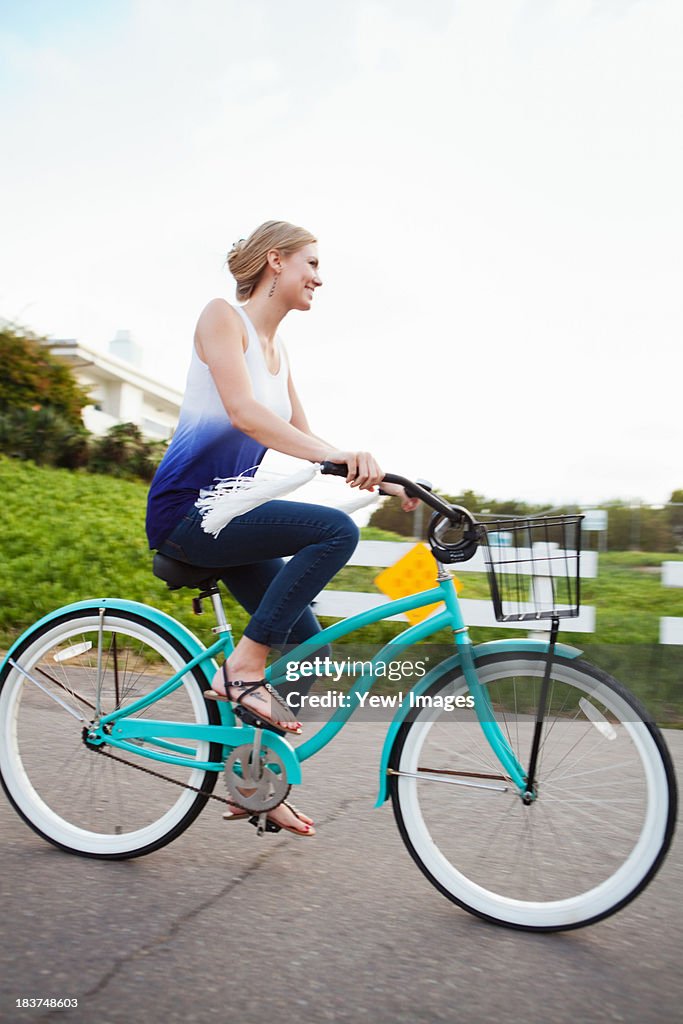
299 277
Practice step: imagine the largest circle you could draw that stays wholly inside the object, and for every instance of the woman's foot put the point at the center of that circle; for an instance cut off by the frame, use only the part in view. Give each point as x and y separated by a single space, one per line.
236 813
284 815
292 819
261 700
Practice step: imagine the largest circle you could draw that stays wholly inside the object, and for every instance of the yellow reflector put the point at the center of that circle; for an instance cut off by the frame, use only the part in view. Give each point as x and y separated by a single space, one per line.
414 572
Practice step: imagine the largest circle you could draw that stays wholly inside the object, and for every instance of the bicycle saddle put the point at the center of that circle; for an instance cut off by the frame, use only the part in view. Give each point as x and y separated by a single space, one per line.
180 574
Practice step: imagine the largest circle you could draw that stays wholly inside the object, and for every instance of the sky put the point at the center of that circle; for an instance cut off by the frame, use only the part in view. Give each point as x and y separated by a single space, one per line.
495 186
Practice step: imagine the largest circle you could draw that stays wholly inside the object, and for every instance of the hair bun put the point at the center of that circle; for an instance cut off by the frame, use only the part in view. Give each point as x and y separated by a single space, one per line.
248 257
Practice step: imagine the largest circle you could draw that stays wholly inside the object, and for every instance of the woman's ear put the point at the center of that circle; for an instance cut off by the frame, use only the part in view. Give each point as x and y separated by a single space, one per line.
274 259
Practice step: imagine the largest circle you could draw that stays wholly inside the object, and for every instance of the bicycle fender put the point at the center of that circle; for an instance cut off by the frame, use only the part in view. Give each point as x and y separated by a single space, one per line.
176 629
513 646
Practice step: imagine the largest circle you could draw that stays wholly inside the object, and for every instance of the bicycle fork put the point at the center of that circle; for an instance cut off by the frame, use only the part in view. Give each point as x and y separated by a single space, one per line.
482 704
530 794
523 780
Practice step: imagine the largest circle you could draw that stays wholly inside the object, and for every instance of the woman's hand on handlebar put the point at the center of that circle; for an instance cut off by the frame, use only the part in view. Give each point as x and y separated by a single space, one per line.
360 466
363 470
397 491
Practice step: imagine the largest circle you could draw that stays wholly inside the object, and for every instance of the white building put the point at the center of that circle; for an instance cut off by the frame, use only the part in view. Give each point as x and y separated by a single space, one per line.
121 392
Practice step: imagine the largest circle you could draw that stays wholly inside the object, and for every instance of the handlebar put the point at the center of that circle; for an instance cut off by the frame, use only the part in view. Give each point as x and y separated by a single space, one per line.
448 518
454 513
413 488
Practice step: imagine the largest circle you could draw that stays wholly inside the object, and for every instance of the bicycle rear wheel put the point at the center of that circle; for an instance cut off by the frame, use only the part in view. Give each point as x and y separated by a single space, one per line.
606 797
75 796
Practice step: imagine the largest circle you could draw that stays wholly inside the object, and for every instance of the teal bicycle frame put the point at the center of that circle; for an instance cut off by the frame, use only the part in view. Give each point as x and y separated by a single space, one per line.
123 730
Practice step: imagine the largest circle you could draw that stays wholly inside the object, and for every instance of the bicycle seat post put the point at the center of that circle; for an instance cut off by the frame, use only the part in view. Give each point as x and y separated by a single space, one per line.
223 626
212 592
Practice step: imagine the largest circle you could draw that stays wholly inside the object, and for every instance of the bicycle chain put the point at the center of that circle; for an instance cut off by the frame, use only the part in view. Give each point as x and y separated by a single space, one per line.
166 778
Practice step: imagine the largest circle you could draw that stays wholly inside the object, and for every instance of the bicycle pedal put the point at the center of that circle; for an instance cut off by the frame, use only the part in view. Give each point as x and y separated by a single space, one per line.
262 824
249 718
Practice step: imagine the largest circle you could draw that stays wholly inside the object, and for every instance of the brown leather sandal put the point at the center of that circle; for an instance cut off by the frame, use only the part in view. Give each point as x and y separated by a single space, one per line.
290 828
248 688
238 815
273 826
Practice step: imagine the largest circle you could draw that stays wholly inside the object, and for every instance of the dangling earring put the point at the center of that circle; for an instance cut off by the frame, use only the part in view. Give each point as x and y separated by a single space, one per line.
272 287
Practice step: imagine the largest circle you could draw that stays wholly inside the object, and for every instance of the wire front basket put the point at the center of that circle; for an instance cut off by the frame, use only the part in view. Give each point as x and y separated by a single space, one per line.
533 567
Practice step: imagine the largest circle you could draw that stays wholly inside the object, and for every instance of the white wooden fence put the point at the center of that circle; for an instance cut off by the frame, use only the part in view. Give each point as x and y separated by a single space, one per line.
381 553
670 627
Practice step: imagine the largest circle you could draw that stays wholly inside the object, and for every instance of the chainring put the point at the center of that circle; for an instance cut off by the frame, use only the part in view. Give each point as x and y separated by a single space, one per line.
256 785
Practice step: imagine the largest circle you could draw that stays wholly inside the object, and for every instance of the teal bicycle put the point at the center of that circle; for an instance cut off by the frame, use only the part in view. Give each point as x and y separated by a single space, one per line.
530 788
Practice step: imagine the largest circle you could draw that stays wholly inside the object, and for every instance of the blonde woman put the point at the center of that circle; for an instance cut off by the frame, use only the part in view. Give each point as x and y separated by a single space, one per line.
240 400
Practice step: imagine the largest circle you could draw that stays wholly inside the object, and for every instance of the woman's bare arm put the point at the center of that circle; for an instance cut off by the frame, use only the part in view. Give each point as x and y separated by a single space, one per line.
219 344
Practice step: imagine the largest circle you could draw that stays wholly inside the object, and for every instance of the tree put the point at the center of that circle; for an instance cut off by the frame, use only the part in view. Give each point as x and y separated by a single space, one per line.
40 415
31 378
675 515
391 517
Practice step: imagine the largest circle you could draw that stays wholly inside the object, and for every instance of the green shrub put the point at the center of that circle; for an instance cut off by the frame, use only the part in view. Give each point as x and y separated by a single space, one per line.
124 452
44 436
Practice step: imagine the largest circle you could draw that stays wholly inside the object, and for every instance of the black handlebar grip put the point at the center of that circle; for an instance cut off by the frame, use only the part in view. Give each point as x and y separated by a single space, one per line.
334 469
412 488
338 469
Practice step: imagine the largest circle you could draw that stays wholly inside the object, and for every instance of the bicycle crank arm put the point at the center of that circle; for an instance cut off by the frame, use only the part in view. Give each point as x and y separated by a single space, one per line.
434 777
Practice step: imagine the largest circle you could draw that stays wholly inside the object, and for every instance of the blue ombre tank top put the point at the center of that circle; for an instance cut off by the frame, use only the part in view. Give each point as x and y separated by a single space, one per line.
206 446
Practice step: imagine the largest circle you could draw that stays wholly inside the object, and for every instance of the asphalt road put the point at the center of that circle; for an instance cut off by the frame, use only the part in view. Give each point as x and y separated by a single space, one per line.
222 925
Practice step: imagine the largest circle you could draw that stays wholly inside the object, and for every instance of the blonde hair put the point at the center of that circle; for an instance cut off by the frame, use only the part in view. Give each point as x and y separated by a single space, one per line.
248 258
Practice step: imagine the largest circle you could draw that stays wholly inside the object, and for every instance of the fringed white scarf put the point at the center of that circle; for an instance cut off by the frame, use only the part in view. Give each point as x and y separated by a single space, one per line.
235 495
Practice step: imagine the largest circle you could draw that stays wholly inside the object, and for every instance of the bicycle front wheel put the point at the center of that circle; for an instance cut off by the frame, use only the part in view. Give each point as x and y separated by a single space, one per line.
605 804
73 795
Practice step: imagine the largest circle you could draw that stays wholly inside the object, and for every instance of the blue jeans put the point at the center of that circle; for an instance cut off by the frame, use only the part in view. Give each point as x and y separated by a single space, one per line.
276 594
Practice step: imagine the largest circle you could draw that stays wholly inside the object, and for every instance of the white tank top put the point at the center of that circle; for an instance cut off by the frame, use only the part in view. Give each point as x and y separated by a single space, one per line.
206 446
270 389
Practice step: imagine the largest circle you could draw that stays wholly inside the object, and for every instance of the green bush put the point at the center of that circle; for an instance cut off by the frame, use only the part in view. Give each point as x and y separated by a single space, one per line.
45 436
31 378
67 536
123 452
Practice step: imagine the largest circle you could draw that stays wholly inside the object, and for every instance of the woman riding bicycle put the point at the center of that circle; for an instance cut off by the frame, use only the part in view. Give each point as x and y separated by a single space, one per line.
240 400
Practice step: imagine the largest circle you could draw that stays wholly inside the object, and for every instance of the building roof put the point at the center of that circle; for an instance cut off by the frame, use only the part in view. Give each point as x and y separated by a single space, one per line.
109 367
